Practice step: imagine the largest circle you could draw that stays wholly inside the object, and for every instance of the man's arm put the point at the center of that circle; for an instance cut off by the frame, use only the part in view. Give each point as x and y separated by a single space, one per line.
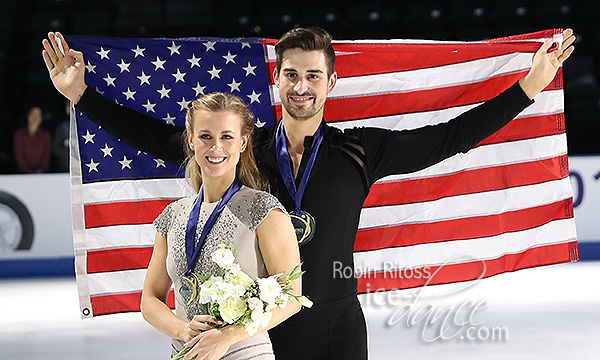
395 152
143 132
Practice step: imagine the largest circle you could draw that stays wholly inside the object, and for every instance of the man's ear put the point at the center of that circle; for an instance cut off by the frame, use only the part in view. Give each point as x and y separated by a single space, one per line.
275 77
331 82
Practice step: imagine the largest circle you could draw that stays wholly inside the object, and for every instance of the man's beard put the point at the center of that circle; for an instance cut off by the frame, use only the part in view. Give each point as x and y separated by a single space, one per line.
304 113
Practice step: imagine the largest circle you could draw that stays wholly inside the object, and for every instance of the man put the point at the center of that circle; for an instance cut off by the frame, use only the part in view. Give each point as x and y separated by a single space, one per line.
335 168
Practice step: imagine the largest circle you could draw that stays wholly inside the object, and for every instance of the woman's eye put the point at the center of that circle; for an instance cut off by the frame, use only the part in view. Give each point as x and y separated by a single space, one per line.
227 137
205 136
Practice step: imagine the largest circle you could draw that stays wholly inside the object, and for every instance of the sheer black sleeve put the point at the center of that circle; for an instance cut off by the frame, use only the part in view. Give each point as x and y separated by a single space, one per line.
139 130
395 152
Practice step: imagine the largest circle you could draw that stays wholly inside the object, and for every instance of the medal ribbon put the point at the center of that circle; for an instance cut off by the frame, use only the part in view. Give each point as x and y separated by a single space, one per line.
192 253
285 168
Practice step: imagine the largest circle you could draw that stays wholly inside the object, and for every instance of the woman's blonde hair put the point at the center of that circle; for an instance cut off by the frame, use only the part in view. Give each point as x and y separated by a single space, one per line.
246 169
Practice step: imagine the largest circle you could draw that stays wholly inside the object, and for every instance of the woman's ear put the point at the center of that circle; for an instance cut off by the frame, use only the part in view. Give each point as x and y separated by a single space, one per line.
189 139
244 142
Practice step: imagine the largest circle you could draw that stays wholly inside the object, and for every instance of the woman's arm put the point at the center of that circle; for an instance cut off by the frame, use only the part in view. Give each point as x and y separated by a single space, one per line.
279 249
154 299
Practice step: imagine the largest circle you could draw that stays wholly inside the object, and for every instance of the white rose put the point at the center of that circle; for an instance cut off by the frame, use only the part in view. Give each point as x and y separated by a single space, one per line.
269 289
252 328
244 279
223 257
232 309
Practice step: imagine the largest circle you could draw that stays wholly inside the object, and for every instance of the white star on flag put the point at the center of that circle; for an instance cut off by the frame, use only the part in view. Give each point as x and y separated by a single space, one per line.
160 162
123 66
92 166
107 150
158 63
99 91
149 106
210 45
214 73
199 89
129 94
174 48
234 85
179 76
88 137
254 97
185 104
125 163
229 57
138 51
109 80
103 53
194 61
259 123
249 69
169 119
90 68
144 78
164 92
245 44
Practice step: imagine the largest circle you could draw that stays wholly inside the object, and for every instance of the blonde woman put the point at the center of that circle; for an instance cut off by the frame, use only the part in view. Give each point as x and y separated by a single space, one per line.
220 164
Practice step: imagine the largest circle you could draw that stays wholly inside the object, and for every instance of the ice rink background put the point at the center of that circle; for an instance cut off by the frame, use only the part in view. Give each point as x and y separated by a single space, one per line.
551 312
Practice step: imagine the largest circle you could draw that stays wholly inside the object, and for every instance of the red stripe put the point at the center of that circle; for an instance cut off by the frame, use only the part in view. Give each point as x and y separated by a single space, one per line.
123 213
118 259
466 182
528 128
463 228
119 303
539 256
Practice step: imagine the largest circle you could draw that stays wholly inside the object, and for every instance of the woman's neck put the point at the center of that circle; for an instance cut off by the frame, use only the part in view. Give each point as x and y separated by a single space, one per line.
213 188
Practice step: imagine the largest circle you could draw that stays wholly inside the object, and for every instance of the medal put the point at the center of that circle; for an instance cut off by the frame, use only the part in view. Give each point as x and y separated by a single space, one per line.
304 223
188 289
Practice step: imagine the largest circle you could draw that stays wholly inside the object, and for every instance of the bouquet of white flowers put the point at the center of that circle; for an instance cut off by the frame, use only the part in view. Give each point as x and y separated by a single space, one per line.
234 298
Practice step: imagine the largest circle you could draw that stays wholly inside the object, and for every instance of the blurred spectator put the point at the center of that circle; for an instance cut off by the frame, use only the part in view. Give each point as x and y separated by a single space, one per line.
60 143
32 145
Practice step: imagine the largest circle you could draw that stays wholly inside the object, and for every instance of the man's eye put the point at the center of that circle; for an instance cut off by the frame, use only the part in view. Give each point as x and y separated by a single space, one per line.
291 75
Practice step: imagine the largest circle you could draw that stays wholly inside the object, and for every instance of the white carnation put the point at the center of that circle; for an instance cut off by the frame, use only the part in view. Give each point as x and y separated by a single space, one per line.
252 328
206 289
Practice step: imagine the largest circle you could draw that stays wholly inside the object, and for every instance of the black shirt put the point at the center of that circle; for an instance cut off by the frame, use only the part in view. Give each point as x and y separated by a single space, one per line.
347 164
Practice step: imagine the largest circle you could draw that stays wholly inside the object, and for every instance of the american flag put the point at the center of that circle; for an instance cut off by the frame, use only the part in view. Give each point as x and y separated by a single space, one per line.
503 206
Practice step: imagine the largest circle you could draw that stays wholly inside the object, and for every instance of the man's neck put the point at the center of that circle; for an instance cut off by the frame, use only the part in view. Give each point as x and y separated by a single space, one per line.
297 130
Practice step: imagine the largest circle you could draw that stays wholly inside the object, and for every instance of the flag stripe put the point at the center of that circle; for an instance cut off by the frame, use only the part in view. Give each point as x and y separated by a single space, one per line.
548 102
124 213
125 190
492 202
463 228
455 251
467 182
532 257
118 259
120 303
112 237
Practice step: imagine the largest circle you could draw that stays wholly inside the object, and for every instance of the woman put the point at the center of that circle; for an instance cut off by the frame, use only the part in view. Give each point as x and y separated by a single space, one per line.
32 145
218 143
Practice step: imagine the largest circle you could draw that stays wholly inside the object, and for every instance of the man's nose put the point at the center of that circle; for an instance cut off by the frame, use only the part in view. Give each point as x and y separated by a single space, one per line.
301 86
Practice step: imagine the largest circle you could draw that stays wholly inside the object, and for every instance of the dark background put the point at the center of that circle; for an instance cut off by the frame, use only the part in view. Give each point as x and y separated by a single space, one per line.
24 81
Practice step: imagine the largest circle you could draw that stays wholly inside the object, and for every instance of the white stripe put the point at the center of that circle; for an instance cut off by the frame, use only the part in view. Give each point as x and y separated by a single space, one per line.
429 78
492 155
121 236
469 205
461 251
546 103
125 190
116 282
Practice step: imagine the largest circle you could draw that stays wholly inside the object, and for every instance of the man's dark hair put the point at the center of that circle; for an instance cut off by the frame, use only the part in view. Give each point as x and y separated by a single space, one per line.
311 38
